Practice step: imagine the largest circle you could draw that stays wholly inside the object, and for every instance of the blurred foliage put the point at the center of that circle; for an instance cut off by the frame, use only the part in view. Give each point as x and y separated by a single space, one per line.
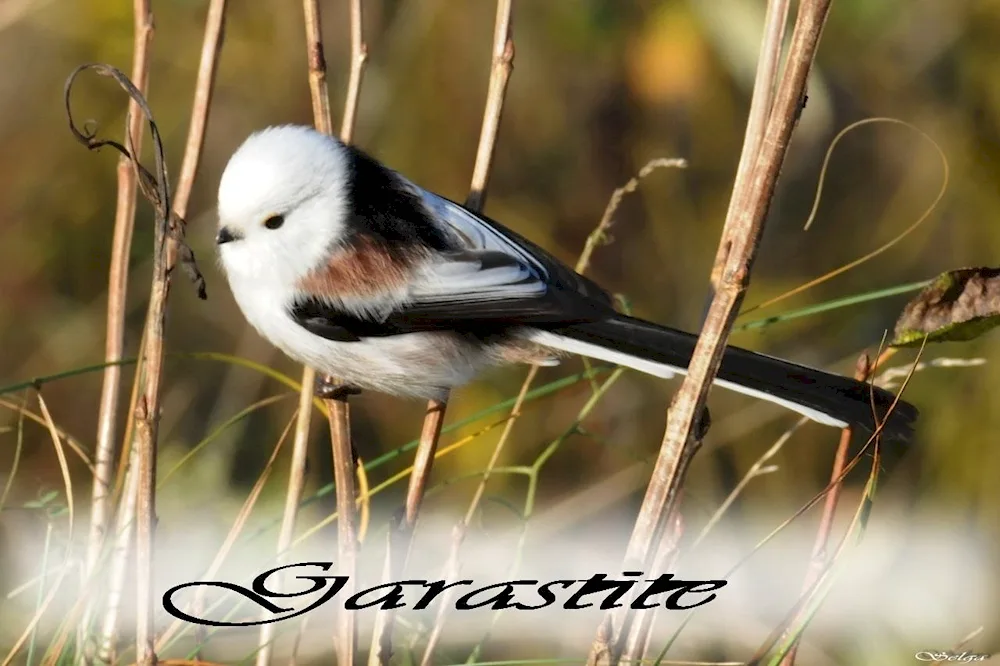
599 87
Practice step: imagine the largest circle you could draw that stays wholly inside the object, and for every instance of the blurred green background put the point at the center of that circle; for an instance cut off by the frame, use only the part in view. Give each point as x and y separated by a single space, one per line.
599 87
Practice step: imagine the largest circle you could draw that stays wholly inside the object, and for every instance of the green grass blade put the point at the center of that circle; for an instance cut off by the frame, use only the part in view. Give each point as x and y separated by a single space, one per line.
833 305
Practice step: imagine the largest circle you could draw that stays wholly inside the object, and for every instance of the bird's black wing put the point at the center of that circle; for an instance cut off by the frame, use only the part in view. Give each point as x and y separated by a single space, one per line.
477 292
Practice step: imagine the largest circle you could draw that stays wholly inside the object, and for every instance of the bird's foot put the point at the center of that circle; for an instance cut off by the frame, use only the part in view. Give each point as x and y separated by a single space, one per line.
328 388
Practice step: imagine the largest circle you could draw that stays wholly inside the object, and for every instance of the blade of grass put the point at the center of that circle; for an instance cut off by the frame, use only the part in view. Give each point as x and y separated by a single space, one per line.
18 447
888 245
219 430
74 445
40 597
833 305
63 466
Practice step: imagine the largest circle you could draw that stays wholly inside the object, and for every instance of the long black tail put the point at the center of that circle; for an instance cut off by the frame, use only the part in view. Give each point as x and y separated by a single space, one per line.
661 351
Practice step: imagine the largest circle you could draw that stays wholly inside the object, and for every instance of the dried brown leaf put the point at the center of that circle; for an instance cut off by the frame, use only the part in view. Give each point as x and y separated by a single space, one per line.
958 305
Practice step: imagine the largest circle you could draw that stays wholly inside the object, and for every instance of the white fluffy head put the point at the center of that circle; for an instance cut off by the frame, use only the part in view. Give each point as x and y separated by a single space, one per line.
297 173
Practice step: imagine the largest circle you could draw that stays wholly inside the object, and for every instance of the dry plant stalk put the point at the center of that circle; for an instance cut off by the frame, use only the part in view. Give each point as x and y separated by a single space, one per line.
864 370
147 431
502 64
211 46
139 505
293 495
761 102
104 455
738 248
338 413
337 409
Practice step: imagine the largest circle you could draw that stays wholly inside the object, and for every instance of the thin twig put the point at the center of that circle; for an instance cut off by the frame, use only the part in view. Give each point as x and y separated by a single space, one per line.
347 523
200 105
121 246
147 431
337 409
359 56
761 102
124 498
204 87
599 235
501 67
147 412
818 559
293 496
119 558
737 251
640 637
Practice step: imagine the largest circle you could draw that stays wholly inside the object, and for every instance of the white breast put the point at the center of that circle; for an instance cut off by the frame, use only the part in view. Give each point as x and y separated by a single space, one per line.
416 364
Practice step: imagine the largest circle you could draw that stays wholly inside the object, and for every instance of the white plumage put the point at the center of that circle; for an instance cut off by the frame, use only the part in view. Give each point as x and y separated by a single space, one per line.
350 268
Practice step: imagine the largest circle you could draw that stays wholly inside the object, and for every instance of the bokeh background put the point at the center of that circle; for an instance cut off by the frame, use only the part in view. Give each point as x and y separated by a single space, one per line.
599 87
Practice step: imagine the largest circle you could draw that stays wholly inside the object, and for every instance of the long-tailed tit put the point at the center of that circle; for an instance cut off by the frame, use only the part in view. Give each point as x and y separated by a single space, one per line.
350 268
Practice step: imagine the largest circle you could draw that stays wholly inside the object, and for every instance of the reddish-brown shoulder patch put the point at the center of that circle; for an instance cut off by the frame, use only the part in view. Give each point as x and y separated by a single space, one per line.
360 271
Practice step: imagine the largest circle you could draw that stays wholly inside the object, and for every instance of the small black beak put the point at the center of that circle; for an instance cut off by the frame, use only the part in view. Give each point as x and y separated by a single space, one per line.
225 236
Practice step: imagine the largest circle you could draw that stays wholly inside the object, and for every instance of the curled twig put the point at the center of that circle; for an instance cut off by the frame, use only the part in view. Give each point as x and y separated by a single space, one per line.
154 188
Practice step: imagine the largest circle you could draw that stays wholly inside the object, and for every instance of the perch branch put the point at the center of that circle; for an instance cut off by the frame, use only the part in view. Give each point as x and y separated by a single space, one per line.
738 248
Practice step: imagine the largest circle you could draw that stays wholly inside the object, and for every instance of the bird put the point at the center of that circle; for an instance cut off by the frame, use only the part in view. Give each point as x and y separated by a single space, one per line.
352 269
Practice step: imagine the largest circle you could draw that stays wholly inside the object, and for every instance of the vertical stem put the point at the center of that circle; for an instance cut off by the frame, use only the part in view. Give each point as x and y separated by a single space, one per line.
148 418
119 555
502 64
818 559
737 250
338 409
121 244
293 495
761 101
204 87
211 46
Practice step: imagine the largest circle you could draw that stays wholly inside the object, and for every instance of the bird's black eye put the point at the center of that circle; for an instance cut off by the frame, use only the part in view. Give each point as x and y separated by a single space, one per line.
274 221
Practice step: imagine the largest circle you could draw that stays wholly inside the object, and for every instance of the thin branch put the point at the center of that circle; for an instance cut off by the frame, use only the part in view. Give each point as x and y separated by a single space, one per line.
147 412
737 251
338 410
200 106
761 102
121 244
818 559
501 67
347 523
293 497
119 559
211 46
147 431
359 56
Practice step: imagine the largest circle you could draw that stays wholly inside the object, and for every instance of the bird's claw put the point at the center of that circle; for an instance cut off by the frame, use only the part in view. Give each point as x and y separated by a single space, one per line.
328 388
